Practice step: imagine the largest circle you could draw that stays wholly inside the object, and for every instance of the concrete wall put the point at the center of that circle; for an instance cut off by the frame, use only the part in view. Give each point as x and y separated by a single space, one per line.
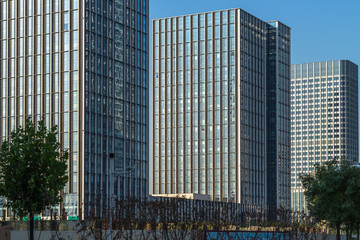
5 233
135 235
44 235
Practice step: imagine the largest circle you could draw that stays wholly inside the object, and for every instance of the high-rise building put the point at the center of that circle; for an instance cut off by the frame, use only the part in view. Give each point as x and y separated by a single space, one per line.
324 118
211 77
278 116
82 65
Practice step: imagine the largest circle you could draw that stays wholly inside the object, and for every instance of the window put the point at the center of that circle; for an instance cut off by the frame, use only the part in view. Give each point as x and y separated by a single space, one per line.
66 5
66 101
75 101
75 60
66 21
3 14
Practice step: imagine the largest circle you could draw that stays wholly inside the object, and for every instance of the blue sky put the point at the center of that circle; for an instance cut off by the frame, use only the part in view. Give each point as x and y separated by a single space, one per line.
321 30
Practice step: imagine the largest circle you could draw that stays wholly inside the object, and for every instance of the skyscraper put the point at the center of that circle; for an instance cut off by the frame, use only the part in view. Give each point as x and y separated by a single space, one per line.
82 65
324 118
278 116
210 85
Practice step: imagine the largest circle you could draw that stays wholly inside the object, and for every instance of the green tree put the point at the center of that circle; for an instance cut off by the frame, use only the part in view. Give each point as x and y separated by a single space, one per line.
33 170
332 194
352 203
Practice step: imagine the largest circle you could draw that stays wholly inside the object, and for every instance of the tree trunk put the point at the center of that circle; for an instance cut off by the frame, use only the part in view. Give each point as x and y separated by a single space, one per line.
31 226
351 232
357 230
337 231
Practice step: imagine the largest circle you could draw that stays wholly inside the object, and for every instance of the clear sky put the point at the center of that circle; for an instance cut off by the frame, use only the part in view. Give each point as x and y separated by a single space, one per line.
321 29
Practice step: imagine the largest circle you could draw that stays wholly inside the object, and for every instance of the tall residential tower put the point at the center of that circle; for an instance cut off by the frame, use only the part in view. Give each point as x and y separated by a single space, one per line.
82 65
211 76
324 118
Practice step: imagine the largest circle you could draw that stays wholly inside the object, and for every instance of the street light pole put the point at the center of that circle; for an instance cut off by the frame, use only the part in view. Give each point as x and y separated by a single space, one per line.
111 190
111 156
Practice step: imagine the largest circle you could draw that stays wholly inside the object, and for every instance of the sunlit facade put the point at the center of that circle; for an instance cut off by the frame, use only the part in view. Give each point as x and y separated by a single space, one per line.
82 65
209 88
324 118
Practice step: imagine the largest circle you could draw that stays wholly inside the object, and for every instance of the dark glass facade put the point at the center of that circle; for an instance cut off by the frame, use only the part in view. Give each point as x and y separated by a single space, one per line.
278 115
116 98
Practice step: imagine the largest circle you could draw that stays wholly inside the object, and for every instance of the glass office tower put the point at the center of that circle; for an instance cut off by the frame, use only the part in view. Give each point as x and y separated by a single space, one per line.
82 65
324 118
209 88
278 115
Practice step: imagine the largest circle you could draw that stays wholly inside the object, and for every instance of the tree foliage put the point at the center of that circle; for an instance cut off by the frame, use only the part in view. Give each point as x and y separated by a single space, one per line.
333 194
33 169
